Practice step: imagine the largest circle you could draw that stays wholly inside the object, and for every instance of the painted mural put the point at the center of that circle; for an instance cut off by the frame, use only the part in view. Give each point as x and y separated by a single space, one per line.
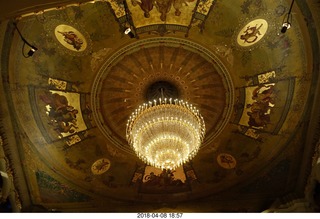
73 139
53 191
204 6
147 12
250 132
149 179
118 8
263 104
57 84
259 102
266 77
155 180
201 12
161 16
157 177
63 111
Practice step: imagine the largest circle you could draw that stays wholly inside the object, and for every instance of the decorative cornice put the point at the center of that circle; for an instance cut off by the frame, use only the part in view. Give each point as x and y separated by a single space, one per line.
7 130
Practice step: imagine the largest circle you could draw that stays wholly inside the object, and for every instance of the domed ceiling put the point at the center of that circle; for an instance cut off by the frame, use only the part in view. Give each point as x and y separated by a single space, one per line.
69 103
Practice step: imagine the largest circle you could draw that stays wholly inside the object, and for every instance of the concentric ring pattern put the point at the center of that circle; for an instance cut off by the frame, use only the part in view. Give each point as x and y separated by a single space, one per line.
125 78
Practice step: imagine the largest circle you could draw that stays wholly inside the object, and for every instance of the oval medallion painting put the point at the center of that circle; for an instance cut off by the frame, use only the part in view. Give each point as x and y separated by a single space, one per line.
226 161
100 166
70 38
252 32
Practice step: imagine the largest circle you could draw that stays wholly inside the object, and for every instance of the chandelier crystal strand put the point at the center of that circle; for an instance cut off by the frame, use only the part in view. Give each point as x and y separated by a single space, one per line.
165 133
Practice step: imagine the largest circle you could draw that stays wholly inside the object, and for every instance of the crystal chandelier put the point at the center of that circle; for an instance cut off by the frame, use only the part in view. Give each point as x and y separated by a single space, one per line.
165 133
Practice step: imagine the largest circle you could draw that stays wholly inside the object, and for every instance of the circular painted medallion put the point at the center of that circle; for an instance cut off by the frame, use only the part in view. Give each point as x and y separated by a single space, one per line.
252 32
70 38
226 161
100 166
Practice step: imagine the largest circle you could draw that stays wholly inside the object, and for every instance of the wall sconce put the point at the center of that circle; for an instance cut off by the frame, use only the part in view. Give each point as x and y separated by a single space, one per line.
287 21
32 49
129 23
128 31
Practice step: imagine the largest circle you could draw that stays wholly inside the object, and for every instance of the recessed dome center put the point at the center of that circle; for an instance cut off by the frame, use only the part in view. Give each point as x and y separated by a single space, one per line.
146 70
161 89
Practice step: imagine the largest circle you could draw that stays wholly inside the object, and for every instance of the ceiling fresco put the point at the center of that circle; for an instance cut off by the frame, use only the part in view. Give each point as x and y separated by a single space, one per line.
71 100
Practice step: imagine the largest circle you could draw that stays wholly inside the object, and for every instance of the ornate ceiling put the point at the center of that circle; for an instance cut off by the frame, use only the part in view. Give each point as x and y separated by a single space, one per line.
66 107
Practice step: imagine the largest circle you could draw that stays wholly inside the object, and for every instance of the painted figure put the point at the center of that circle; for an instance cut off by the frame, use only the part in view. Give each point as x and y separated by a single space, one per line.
257 119
163 6
259 114
264 94
165 178
226 161
177 4
251 34
62 116
71 38
145 5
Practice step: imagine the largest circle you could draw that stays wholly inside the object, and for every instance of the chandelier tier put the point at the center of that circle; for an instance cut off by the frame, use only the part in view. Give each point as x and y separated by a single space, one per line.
165 133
